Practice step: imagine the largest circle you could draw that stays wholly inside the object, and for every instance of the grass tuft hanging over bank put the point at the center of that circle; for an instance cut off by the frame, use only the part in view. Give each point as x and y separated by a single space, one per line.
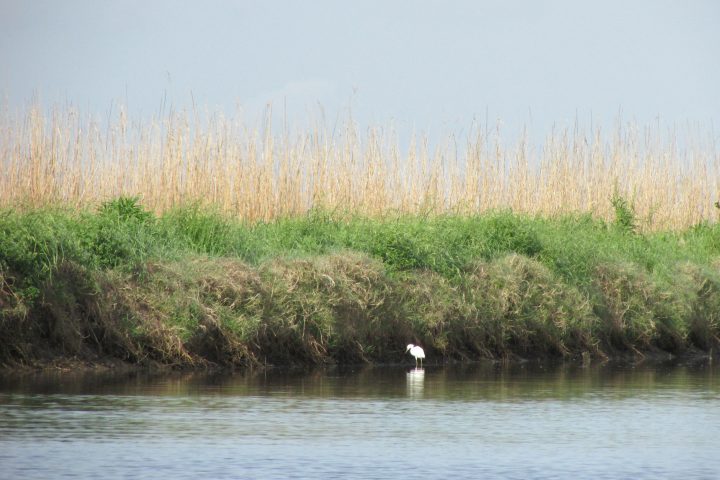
195 287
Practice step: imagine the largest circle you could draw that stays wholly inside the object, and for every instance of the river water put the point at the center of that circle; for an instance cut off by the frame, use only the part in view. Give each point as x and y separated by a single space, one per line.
481 421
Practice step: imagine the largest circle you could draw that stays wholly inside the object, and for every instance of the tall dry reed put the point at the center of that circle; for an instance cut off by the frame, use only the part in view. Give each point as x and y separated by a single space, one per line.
65 158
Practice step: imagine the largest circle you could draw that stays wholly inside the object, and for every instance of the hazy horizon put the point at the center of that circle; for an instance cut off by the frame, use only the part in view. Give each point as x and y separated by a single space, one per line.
424 67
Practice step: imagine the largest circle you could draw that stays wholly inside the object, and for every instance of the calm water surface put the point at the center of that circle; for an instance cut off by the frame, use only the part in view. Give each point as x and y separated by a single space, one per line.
483 421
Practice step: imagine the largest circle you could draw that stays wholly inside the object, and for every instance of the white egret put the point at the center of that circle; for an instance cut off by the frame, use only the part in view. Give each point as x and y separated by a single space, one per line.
417 352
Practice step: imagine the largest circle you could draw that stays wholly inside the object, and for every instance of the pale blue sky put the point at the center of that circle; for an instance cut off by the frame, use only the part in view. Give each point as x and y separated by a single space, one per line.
431 66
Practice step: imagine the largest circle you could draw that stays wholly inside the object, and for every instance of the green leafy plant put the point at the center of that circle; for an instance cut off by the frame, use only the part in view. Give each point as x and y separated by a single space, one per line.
624 214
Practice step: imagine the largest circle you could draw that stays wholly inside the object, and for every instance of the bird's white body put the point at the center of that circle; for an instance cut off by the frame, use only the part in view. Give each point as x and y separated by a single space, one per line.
417 352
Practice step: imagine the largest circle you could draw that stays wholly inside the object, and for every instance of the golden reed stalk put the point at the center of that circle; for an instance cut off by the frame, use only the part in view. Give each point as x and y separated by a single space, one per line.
61 158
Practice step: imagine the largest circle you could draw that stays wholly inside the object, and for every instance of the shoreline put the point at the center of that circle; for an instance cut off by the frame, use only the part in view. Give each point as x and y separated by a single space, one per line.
195 290
113 366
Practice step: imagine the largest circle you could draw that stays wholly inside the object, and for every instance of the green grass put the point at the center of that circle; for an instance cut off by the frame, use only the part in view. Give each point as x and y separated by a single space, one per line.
195 287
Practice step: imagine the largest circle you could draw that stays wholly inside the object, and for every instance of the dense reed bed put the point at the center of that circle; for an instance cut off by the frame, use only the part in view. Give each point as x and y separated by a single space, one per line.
197 287
257 174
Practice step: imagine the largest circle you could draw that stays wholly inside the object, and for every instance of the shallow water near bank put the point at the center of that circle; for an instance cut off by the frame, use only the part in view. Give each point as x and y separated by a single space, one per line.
479 421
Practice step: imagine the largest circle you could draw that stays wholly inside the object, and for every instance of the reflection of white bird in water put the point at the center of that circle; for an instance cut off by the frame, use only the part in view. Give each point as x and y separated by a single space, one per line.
416 352
415 382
